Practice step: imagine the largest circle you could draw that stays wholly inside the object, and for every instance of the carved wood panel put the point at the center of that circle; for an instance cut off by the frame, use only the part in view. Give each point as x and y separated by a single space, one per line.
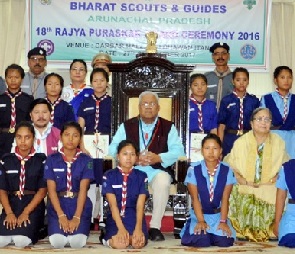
155 73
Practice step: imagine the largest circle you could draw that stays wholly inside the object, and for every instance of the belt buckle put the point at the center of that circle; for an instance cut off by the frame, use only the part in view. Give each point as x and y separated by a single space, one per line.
11 130
17 193
69 194
240 133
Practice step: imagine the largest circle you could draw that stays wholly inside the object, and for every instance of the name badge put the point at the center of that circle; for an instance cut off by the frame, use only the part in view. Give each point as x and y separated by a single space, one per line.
86 109
117 186
59 170
2 105
11 171
231 104
211 86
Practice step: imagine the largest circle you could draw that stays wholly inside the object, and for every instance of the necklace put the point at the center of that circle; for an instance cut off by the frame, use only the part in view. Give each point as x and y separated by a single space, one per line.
76 91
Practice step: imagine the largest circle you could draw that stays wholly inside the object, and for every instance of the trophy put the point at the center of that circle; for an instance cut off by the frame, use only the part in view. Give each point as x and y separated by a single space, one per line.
151 42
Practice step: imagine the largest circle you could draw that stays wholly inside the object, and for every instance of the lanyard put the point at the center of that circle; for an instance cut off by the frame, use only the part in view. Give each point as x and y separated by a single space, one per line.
145 139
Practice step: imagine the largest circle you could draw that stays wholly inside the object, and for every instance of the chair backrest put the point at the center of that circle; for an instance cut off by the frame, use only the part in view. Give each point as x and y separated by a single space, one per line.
155 73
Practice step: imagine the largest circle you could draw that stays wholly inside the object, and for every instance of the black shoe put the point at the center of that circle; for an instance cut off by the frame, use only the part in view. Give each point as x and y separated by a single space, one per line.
177 236
92 226
102 228
102 234
155 235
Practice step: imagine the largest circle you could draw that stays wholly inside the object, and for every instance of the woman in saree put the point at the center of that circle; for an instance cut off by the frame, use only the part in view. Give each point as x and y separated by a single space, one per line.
256 158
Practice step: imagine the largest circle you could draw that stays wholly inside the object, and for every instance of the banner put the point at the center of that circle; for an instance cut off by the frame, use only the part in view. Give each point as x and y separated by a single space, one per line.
185 29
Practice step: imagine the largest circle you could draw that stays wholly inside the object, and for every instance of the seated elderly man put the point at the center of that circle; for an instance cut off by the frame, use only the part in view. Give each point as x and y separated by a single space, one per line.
160 147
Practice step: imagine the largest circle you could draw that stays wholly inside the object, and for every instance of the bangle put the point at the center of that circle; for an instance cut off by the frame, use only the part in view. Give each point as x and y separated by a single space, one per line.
78 218
9 213
62 215
223 221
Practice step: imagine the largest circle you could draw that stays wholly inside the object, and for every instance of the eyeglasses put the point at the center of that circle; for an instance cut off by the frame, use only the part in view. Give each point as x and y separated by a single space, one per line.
36 59
220 53
78 70
260 119
148 104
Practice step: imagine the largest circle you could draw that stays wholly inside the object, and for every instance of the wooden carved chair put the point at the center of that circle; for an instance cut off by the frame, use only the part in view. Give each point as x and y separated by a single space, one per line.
171 82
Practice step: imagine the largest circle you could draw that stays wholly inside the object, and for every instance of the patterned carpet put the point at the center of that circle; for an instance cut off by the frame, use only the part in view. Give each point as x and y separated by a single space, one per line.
170 245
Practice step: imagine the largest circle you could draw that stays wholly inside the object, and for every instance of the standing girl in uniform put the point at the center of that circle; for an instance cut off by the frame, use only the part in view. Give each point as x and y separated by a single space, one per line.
68 175
62 111
22 190
235 110
15 106
209 183
281 101
202 112
94 114
126 191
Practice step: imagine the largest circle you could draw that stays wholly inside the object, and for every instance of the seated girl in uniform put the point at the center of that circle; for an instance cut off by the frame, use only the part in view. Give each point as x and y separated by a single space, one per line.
209 184
126 191
62 111
68 173
284 226
22 190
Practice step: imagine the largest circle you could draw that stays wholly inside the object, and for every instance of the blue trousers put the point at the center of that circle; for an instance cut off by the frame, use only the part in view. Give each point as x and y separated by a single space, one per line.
288 241
206 240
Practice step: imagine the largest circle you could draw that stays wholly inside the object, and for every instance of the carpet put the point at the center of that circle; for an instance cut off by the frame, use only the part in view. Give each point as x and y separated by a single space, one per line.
170 245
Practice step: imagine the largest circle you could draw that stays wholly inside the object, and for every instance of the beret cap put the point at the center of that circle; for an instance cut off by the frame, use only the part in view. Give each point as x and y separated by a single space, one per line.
219 45
37 51
101 58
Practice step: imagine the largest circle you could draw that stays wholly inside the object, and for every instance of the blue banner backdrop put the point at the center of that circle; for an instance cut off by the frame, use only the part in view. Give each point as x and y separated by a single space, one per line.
186 29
